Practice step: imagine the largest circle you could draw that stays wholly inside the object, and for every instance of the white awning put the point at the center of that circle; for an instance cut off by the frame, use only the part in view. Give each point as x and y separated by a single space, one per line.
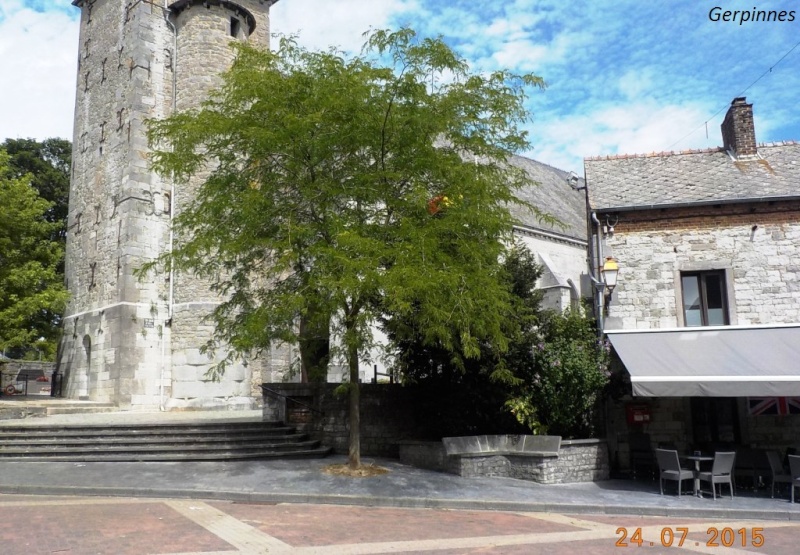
720 361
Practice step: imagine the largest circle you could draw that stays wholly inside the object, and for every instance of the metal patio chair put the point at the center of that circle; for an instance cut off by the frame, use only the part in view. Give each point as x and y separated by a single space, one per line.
794 469
779 474
721 472
669 467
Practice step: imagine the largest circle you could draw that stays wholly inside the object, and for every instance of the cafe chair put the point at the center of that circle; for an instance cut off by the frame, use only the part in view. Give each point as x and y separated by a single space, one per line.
779 474
669 467
794 469
721 472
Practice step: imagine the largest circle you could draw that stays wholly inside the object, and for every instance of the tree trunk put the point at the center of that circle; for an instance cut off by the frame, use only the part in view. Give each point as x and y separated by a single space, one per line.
354 448
314 345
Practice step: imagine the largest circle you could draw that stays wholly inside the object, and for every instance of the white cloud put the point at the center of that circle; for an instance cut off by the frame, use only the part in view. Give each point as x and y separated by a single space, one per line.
322 23
512 27
38 61
526 54
633 128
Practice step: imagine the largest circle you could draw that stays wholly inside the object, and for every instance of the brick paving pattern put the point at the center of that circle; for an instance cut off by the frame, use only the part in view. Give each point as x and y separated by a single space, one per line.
31 525
121 527
307 525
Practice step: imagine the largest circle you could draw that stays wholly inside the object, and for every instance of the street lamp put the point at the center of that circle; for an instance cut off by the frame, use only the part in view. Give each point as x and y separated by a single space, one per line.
609 273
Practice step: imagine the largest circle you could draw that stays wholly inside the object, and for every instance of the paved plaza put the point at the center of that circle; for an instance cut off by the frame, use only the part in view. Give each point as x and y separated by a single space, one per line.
32 525
293 506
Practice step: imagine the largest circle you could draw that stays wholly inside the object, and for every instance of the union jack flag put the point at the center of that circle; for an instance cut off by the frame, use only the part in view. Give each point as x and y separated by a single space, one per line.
780 406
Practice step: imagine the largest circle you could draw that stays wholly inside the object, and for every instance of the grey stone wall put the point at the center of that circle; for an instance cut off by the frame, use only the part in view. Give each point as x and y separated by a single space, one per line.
582 460
485 465
119 343
204 35
117 217
387 415
653 248
576 461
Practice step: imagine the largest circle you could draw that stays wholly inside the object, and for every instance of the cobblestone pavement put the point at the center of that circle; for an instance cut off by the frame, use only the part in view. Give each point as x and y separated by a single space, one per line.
33 525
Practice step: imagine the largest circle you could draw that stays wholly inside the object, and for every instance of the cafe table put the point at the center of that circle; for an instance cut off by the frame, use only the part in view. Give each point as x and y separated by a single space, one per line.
697 458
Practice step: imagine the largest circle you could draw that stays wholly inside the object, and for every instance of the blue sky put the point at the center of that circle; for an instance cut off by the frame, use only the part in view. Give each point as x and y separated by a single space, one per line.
623 76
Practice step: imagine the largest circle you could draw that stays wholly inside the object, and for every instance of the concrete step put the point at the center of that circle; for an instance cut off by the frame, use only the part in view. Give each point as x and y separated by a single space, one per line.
145 430
82 442
207 440
81 409
319 452
53 449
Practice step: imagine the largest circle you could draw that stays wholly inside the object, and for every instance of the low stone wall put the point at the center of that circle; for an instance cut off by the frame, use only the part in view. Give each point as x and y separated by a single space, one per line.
579 460
573 461
386 419
10 370
390 428
22 376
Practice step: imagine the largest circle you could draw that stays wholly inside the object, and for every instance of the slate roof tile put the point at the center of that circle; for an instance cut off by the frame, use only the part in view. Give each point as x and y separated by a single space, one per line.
692 177
553 195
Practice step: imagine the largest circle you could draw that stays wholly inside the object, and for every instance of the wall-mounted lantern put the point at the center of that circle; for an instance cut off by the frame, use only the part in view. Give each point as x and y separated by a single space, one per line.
609 273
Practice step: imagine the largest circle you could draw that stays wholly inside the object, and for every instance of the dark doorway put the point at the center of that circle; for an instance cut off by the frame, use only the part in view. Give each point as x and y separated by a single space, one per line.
715 422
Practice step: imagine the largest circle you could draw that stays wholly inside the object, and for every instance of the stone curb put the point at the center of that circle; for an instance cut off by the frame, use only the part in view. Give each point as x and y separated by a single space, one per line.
402 502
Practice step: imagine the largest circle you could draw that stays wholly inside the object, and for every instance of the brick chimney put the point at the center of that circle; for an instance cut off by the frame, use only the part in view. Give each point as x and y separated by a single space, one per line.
738 130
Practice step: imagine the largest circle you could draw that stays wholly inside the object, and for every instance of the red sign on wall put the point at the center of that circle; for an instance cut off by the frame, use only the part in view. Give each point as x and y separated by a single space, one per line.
637 414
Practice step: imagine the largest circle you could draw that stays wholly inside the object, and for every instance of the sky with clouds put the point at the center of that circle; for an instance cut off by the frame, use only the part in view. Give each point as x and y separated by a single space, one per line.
623 76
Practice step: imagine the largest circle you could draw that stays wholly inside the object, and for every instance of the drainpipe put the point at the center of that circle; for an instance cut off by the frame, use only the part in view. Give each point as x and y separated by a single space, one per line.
594 255
170 299
597 283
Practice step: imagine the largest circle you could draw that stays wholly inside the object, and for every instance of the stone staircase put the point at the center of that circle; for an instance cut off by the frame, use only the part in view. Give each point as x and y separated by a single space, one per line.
177 441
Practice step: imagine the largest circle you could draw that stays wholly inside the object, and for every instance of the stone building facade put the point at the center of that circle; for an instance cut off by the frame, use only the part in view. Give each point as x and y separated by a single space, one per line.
560 247
129 341
706 310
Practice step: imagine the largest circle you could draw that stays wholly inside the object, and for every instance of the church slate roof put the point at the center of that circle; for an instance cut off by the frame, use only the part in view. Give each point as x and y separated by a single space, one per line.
553 195
662 180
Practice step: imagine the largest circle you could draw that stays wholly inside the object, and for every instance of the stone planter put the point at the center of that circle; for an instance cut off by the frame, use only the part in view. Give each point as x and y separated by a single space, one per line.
543 459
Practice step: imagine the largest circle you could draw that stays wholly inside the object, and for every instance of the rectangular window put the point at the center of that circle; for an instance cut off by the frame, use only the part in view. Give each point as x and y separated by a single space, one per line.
705 301
235 26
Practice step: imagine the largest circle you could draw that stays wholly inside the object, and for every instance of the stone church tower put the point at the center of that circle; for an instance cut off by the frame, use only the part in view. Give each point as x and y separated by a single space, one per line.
136 343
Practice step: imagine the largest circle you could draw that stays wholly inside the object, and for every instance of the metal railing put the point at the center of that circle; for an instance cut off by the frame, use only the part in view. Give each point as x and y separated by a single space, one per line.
29 383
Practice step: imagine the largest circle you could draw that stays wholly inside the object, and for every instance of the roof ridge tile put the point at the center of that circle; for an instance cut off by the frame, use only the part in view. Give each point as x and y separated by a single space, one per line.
658 154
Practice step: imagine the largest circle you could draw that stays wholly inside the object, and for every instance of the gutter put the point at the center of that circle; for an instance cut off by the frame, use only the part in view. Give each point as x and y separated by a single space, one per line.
744 200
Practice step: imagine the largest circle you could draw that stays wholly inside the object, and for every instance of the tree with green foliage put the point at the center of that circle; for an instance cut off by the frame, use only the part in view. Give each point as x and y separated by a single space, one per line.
553 369
32 294
563 371
336 187
48 164
472 390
